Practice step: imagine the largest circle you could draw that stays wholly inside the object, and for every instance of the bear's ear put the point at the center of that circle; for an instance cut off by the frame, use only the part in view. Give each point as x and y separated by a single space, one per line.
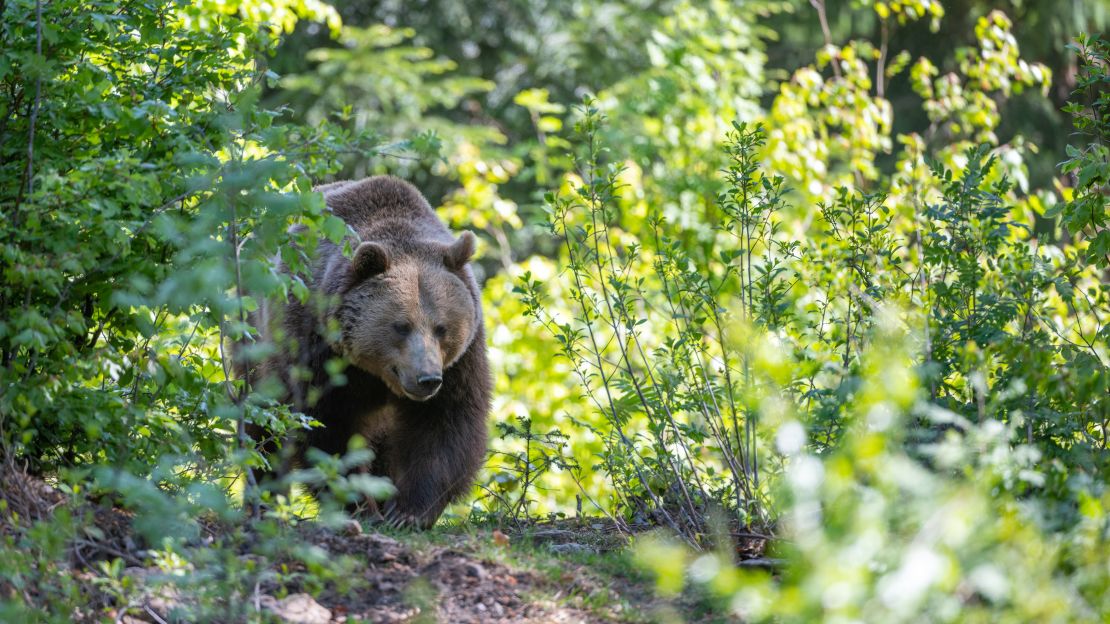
370 259
459 253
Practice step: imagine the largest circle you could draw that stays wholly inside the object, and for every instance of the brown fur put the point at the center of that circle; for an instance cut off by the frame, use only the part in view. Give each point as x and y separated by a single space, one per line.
408 310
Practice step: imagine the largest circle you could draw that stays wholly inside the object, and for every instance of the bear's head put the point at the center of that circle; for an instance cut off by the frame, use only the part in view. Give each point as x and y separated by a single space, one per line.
407 315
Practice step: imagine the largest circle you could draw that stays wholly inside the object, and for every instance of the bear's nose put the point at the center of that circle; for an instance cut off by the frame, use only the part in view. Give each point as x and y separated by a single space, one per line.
429 383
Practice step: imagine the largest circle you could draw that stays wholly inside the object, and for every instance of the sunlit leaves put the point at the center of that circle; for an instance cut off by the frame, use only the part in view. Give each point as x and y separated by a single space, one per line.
831 122
1087 211
120 281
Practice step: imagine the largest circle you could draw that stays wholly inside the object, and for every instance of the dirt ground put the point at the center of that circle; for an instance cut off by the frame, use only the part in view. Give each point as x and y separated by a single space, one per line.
567 571
472 576
441 580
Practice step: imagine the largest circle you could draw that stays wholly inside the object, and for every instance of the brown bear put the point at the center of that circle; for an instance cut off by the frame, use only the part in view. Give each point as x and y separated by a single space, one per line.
406 321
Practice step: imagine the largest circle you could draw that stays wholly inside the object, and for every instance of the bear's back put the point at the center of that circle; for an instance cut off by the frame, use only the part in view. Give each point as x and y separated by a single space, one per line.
385 208
390 211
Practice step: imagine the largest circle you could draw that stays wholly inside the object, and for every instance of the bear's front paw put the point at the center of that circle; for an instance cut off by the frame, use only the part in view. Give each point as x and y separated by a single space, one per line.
400 518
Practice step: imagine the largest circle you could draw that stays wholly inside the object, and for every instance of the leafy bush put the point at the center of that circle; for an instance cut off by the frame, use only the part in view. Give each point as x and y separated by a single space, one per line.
144 193
850 319
968 478
873 533
679 435
1085 213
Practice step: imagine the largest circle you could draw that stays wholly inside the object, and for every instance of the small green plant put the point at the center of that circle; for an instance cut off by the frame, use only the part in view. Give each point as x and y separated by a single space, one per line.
649 332
515 480
1087 213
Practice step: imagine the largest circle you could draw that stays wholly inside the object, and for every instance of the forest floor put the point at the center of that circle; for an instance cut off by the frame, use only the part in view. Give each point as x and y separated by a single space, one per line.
481 574
571 570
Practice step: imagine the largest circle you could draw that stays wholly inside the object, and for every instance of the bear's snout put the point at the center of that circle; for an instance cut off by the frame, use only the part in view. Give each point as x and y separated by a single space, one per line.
419 386
430 383
425 387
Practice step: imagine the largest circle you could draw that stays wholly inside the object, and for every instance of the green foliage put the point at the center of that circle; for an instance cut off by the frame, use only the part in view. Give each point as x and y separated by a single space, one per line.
792 272
512 487
1086 214
975 507
976 524
135 221
375 82
145 192
679 438
874 534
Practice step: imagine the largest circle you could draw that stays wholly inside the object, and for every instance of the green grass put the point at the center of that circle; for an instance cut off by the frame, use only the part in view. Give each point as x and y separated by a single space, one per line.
606 583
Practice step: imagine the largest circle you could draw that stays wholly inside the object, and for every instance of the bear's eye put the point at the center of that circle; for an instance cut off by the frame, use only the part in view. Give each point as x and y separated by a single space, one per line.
441 331
402 328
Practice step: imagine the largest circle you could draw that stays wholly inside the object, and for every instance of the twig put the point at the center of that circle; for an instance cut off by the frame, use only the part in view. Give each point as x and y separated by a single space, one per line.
111 550
880 69
762 563
151 613
28 174
823 18
250 493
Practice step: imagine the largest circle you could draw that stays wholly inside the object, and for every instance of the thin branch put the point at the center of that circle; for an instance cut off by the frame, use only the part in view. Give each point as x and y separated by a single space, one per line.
880 69
823 18
29 172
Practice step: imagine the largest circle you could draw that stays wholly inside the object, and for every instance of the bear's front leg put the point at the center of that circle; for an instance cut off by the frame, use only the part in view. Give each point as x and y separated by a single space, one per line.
438 445
432 463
